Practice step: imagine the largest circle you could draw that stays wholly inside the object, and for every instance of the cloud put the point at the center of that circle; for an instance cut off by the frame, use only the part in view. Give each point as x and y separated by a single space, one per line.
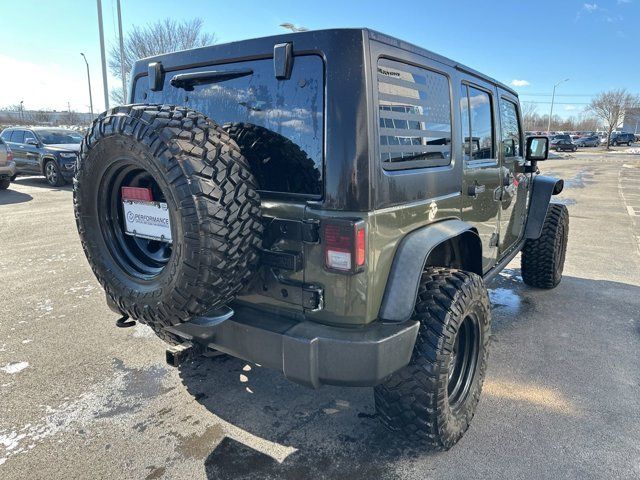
570 108
620 2
590 7
520 83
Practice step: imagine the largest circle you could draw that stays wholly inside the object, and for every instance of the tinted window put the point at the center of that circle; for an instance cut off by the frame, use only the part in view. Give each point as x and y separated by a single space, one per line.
278 124
53 137
414 116
17 136
476 106
510 128
28 136
6 135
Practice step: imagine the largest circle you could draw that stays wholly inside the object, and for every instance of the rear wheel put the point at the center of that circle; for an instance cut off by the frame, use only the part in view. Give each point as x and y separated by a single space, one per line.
543 258
4 183
432 400
52 174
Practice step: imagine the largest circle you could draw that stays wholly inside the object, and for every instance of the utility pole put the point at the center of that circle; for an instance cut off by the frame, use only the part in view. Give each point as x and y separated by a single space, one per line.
88 81
553 96
22 110
104 60
122 74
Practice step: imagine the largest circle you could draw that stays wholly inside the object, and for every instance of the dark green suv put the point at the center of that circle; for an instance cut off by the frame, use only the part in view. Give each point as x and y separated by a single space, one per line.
330 204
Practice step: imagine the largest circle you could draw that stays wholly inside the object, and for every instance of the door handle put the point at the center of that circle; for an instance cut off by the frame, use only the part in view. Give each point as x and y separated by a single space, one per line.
475 189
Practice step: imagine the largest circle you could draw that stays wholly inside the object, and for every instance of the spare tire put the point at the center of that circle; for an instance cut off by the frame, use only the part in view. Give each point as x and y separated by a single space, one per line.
190 163
278 164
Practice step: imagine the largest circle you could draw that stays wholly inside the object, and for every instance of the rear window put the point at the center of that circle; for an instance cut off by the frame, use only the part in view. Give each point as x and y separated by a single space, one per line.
278 124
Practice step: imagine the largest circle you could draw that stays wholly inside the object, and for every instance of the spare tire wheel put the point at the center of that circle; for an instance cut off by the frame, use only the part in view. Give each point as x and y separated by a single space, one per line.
195 173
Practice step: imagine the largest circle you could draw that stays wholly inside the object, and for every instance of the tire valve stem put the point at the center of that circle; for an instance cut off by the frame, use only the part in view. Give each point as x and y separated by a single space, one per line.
124 322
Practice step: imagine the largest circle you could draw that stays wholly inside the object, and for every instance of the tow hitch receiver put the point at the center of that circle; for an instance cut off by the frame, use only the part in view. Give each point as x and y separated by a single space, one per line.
178 354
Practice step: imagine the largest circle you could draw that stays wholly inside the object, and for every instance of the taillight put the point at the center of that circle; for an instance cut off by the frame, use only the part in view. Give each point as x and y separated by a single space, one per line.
344 245
9 155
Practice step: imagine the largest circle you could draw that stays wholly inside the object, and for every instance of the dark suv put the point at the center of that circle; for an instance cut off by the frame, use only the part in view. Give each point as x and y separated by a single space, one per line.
51 152
622 139
330 204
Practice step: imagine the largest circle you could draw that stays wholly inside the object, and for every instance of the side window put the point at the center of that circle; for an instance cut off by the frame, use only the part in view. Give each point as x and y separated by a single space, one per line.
28 136
6 135
468 146
510 128
414 116
481 124
17 136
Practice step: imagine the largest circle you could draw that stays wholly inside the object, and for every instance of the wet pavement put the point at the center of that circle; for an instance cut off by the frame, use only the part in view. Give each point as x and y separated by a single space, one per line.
84 399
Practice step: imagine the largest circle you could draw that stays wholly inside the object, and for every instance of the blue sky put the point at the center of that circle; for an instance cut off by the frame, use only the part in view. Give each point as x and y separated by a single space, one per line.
594 44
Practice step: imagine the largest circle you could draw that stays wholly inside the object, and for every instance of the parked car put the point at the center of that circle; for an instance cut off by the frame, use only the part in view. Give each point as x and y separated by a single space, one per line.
234 228
622 139
591 141
565 145
7 166
51 152
556 138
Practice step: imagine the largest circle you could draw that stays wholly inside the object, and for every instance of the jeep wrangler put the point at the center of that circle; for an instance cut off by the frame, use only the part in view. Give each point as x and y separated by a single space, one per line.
330 204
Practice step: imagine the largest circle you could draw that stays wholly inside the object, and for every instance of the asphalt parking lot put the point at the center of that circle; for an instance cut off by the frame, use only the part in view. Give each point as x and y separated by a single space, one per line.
81 398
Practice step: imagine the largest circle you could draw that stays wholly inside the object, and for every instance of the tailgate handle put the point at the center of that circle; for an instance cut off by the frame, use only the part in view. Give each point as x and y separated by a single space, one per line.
291 261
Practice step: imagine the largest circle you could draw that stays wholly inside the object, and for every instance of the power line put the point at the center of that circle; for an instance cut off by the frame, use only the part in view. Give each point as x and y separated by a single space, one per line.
556 103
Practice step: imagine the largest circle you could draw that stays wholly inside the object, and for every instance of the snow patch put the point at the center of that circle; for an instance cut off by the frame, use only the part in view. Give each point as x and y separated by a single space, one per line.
14 367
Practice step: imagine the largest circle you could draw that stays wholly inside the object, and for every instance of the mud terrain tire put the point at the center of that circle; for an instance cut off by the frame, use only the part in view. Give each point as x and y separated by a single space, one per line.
542 259
432 400
189 162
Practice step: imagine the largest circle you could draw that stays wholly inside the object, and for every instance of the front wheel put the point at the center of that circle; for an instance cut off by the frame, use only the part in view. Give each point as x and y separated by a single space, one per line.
432 400
52 174
542 259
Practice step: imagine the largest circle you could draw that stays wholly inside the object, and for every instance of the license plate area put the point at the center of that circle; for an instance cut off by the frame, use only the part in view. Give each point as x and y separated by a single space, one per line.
147 219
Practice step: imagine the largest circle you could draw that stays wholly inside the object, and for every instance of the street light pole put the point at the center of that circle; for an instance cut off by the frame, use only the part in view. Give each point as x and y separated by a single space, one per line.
122 74
102 55
89 82
553 97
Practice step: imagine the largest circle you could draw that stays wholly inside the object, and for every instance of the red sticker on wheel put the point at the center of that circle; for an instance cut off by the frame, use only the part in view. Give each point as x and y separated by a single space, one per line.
137 193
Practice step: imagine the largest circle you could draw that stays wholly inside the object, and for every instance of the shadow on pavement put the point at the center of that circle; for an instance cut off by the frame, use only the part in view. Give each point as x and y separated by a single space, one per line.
9 197
547 373
41 182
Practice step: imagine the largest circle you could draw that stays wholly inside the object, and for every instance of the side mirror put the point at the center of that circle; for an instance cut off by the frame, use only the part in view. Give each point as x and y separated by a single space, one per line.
31 141
537 148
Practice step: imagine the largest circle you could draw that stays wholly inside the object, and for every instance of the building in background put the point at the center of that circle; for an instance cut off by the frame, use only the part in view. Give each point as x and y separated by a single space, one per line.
631 123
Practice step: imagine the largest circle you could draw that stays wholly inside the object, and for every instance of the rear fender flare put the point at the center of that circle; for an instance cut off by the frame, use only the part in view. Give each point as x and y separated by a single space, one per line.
410 259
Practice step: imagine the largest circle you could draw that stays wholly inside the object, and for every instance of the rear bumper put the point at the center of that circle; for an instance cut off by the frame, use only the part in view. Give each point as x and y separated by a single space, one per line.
8 170
306 352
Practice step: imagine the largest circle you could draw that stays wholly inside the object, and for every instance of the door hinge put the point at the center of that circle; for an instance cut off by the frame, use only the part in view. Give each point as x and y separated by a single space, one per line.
493 241
307 231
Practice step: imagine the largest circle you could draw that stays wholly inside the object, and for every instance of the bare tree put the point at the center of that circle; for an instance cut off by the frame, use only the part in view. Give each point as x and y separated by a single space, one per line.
610 107
164 36
41 117
529 114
